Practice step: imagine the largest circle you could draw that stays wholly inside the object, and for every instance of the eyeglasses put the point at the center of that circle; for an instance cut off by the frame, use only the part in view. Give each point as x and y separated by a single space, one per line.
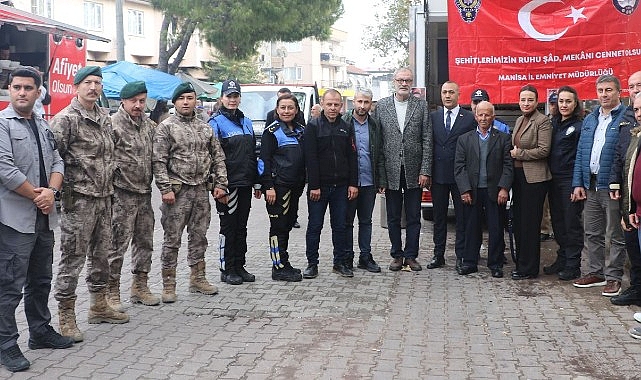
401 81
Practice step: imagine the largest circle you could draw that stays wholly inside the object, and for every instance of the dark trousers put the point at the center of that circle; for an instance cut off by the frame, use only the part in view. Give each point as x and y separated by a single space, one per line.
282 215
441 202
634 254
567 223
474 233
364 206
233 227
25 262
394 201
528 211
336 198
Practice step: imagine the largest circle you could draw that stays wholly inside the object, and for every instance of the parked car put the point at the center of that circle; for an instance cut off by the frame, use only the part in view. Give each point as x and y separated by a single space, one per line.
427 206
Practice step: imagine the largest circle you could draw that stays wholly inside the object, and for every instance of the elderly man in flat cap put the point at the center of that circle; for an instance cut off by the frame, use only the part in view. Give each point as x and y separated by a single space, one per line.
133 216
84 138
188 163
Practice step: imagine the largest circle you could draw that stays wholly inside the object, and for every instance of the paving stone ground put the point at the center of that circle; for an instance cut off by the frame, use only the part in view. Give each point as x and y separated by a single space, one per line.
432 324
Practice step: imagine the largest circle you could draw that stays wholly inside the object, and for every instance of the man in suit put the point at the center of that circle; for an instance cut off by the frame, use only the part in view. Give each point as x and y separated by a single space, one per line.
448 123
483 169
407 148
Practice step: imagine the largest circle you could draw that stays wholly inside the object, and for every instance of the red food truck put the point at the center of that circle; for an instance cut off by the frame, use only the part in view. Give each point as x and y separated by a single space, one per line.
58 50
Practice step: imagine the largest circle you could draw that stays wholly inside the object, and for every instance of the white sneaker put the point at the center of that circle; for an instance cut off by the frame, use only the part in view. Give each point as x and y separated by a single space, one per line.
635 332
637 317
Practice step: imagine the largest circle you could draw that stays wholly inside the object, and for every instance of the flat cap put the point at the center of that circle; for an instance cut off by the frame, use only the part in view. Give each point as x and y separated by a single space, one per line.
85 72
182 88
132 89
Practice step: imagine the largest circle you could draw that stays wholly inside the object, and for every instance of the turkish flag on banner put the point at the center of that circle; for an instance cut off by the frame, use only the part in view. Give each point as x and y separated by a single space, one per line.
501 45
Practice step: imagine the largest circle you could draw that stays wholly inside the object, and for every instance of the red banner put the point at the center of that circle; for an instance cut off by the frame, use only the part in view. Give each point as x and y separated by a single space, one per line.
501 45
66 58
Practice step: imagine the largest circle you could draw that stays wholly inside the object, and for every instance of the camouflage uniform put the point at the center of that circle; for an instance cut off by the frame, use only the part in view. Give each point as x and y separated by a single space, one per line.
133 216
85 142
185 153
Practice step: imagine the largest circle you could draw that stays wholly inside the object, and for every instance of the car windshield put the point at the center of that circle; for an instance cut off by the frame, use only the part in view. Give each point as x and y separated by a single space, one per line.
256 104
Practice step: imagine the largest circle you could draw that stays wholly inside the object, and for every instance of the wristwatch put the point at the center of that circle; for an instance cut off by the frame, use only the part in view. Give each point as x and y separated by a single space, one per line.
56 193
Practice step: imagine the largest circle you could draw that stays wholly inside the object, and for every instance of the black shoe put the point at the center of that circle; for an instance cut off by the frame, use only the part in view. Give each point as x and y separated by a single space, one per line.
555 268
284 274
569 274
467 269
522 276
396 264
246 276
296 224
50 339
413 264
290 267
437 262
368 264
630 296
13 359
497 273
311 271
231 277
349 263
343 270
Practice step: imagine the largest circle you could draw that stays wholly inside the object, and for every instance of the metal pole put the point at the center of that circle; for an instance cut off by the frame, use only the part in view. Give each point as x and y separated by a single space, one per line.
120 32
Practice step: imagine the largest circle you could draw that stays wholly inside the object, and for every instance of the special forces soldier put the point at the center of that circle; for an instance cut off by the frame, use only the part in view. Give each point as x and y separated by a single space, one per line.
85 142
133 216
187 162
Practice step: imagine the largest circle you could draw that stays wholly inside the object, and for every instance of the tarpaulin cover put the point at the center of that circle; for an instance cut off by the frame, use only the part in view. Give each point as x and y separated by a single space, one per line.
160 86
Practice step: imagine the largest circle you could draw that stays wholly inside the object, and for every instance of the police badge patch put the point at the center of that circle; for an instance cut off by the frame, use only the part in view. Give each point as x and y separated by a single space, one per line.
626 7
468 9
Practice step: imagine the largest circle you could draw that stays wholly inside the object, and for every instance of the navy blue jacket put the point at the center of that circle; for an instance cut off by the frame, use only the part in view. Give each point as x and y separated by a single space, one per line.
565 140
445 143
628 122
281 156
236 136
581 176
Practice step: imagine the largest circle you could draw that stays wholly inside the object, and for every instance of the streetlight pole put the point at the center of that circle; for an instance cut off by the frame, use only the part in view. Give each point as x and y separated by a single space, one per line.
120 32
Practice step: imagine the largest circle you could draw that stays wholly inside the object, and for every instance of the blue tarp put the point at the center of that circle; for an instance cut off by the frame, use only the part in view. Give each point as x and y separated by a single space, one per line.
160 86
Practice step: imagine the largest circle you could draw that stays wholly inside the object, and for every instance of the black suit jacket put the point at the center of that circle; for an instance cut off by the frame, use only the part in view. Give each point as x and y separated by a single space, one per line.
499 163
445 143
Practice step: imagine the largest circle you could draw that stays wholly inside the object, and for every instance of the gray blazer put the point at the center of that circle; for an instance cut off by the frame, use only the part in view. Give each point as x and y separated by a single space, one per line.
414 145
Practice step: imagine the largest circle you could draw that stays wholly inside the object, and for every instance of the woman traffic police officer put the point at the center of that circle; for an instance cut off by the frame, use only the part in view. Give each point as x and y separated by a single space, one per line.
282 174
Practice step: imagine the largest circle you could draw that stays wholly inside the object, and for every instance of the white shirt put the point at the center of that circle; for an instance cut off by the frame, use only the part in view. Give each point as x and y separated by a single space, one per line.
599 141
453 115
401 111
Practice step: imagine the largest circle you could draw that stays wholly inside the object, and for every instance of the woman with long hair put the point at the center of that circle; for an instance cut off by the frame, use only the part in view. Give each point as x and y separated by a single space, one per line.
531 140
566 214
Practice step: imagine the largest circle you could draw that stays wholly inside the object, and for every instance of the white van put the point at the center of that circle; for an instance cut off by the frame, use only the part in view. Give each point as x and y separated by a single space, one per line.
258 100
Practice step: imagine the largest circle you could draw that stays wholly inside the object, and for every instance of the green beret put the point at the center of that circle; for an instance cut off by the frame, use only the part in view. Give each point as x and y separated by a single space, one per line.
85 72
132 89
181 89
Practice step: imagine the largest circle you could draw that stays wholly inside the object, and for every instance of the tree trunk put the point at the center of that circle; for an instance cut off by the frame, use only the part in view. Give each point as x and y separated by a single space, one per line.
167 48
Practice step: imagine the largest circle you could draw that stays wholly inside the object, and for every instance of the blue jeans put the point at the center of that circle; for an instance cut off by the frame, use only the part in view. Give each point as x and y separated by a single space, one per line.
25 261
336 198
364 206
394 201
